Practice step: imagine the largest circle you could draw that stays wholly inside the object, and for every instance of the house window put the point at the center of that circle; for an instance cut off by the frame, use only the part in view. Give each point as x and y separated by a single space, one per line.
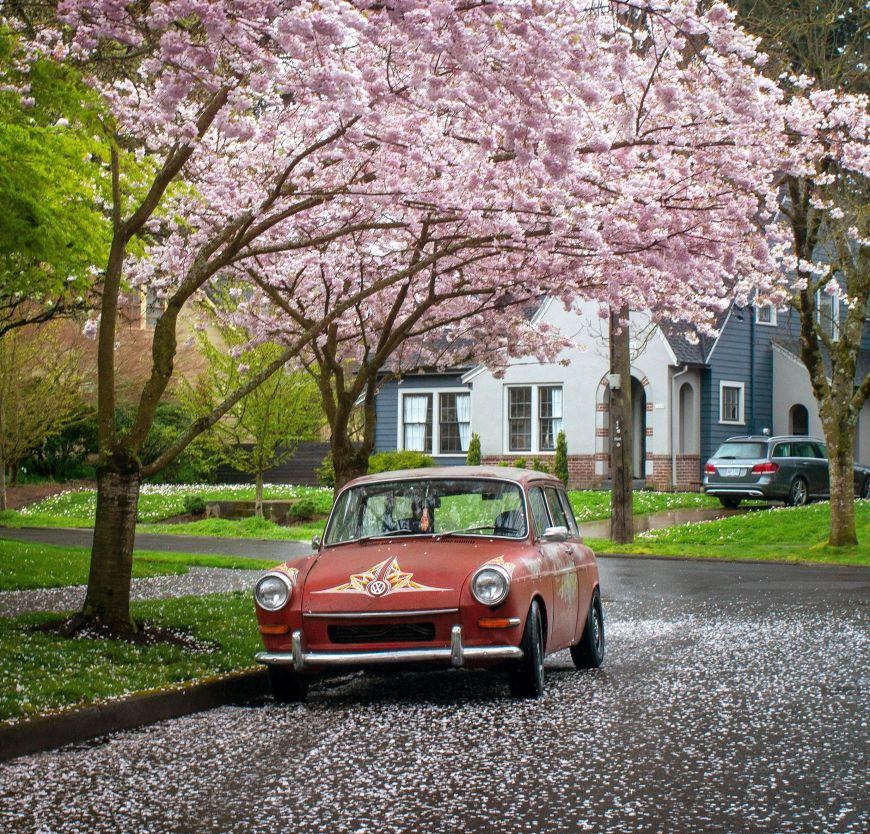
520 419
828 314
731 402
534 417
435 422
765 314
454 428
417 422
549 417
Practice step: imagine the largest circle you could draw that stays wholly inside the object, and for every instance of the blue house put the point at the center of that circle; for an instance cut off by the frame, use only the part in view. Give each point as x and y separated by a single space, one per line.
688 396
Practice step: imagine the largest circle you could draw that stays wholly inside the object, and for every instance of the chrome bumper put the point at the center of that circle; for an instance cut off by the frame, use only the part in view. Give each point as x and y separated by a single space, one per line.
733 490
456 653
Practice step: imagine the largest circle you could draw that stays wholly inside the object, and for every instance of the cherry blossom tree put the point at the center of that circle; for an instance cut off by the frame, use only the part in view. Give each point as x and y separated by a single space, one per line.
543 133
818 51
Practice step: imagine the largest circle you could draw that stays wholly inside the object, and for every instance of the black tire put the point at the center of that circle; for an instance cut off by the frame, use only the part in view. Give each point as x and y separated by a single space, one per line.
526 676
728 502
798 495
588 651
865 489
288 687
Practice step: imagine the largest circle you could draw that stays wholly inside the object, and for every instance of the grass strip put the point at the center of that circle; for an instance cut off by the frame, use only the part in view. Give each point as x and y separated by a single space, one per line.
26 565
41 672
779 534
245 528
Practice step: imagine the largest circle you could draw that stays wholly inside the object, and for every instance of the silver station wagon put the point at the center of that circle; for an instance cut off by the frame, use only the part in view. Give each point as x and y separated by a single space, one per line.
790 468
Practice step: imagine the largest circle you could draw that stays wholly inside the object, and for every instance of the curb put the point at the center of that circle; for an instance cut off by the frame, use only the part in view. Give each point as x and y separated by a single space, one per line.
74 726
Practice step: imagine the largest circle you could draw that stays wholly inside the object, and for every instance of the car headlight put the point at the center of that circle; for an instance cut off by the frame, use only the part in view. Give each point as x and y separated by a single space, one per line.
491 584
272 591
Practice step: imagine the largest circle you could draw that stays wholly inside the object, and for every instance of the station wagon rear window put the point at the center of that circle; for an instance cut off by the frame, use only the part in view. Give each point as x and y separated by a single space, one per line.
428 507
741 450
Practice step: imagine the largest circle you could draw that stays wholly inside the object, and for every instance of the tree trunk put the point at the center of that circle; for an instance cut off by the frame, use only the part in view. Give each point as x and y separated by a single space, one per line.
2 441
621 520
842 532
258 495
108 599
349 461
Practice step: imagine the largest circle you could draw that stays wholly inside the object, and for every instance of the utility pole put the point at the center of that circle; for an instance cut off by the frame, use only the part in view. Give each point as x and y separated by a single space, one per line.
621 526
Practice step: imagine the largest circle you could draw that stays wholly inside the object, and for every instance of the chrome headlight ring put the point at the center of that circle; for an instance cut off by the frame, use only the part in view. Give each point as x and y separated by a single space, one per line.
273 591
490 585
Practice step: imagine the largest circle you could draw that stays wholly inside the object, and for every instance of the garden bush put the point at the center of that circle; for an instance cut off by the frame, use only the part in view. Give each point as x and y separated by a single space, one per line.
472 458
302 510
390 461
194 505
560 464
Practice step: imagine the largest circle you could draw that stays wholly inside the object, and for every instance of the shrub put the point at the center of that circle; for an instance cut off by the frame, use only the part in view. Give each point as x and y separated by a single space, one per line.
390 461
540 465
473 456
560 463
504 463
302 510
326 472
519 463
194 504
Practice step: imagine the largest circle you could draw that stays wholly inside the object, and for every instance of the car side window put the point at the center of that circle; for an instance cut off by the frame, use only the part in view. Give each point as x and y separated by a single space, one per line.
569 512
540 516
557 512
781 450
803 449
819 451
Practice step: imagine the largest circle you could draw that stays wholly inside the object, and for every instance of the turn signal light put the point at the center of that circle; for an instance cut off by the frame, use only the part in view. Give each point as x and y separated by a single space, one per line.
280 628
504 622
710 469
766 468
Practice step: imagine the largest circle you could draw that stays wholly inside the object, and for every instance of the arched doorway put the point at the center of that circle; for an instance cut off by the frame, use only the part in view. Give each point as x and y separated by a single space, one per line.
687 434
638 424
798 420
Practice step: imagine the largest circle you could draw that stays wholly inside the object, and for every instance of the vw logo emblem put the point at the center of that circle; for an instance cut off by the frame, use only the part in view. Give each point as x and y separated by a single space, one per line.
377 588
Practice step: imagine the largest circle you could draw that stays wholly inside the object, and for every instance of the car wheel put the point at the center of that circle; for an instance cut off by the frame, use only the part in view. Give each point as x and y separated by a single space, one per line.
729 503
526 676
797 495
865 489
588 652
288 687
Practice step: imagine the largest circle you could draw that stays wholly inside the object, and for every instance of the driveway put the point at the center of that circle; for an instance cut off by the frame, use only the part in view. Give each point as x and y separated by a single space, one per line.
733 699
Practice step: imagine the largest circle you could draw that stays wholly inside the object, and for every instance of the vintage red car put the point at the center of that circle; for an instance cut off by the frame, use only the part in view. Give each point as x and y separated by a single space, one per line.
453 566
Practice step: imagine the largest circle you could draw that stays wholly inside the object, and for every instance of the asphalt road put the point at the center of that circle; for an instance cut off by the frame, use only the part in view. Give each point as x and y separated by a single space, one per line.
208 545
733 699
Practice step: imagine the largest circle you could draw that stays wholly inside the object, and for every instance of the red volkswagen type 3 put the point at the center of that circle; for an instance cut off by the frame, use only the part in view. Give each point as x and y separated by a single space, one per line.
455 566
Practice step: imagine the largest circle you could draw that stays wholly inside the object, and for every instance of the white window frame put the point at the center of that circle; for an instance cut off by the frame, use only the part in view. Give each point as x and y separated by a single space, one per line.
436 421
835 313
759 308
536 418
727 383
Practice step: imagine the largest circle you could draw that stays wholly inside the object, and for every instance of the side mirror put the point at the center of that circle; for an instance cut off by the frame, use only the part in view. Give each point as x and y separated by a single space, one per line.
555 534
316 543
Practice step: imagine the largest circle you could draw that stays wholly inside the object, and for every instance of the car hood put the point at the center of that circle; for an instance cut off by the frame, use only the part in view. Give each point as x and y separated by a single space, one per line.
397 575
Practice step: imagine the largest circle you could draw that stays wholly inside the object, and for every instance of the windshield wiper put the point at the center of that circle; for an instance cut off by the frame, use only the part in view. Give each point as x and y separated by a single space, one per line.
465 530
400 532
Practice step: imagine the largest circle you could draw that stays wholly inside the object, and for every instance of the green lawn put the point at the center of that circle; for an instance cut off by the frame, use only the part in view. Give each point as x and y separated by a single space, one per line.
782 534
30 565
75 508
41 671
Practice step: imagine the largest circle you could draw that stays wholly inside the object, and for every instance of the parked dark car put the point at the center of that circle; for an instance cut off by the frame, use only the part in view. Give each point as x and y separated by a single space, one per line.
788 468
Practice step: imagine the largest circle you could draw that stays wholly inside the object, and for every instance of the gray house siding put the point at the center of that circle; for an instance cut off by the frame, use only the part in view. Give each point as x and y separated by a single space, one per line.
387 409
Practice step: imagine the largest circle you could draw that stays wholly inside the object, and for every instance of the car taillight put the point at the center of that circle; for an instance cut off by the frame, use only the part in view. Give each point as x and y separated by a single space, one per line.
766 468
710 469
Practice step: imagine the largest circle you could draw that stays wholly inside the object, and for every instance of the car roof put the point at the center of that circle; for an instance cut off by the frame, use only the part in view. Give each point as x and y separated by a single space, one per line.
501 473
766 438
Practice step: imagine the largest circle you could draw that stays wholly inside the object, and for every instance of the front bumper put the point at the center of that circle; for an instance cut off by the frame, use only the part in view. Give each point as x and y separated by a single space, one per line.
456 654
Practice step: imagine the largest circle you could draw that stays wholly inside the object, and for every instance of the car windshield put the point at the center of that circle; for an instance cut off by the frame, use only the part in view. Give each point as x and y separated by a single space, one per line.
428 507
741 450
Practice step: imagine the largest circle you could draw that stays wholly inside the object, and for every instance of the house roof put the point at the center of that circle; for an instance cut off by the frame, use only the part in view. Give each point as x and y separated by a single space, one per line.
687 353
793 347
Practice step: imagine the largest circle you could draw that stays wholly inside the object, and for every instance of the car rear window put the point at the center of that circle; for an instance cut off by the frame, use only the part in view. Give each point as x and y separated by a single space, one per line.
741 450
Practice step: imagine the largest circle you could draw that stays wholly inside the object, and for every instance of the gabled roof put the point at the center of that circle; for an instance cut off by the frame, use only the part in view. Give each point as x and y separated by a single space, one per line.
793 348
687 353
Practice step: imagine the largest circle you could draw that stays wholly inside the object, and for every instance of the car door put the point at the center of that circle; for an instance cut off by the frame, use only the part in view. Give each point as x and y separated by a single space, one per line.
551 556
808 466
566 585
820 464
788 468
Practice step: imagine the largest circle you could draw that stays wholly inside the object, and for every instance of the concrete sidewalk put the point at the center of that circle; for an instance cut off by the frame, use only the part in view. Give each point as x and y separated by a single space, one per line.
206 545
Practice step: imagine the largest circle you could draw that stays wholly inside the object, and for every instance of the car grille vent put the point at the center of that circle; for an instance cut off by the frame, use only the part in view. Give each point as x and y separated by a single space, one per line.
382 633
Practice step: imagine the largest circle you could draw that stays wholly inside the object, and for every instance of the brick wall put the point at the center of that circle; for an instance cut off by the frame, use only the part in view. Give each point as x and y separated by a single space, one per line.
581 468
